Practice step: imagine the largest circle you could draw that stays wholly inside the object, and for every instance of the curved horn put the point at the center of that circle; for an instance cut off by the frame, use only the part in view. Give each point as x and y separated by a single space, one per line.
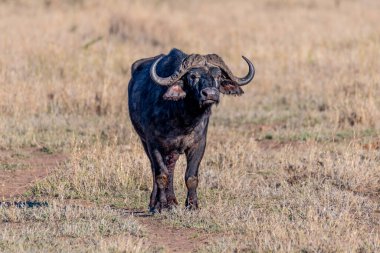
251 73
164 81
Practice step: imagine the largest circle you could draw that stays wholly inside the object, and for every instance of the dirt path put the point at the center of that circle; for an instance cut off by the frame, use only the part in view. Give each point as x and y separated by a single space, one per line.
174 239
20 169
170 238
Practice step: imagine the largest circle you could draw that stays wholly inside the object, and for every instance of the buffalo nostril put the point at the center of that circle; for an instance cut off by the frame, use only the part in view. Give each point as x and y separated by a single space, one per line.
204 93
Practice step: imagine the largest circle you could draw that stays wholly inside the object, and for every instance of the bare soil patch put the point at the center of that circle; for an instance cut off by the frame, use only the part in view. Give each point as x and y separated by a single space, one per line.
20 169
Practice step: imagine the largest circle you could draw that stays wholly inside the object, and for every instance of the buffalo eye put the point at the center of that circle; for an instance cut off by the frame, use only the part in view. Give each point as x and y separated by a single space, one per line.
193 76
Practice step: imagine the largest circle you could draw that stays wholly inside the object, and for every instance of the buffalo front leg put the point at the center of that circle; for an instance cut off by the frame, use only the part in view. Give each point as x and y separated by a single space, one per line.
193 156
170 161
160 181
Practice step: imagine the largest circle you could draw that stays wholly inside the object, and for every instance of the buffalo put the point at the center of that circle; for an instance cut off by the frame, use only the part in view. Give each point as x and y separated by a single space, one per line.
170 99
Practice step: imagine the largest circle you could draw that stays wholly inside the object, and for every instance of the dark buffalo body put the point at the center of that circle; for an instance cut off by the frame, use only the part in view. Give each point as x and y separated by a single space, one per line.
170 98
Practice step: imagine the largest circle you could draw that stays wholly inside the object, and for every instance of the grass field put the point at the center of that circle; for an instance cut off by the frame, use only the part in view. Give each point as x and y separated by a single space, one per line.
293 165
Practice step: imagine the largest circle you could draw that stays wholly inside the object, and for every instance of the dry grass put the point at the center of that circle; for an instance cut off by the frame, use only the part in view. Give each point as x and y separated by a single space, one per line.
293 165
55 228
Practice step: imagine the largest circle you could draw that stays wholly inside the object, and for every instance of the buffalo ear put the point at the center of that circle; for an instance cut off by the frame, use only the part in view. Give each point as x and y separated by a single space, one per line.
230 88
175 92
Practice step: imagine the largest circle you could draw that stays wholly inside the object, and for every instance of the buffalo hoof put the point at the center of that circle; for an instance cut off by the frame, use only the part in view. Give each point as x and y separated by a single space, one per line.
192 205
159 207
153 210
168 205
172 202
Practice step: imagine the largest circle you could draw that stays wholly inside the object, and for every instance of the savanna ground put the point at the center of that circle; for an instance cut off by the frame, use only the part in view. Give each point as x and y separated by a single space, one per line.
293 165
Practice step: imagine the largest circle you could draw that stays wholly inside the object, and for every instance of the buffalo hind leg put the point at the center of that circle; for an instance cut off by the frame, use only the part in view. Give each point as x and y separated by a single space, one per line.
193 156
153 195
